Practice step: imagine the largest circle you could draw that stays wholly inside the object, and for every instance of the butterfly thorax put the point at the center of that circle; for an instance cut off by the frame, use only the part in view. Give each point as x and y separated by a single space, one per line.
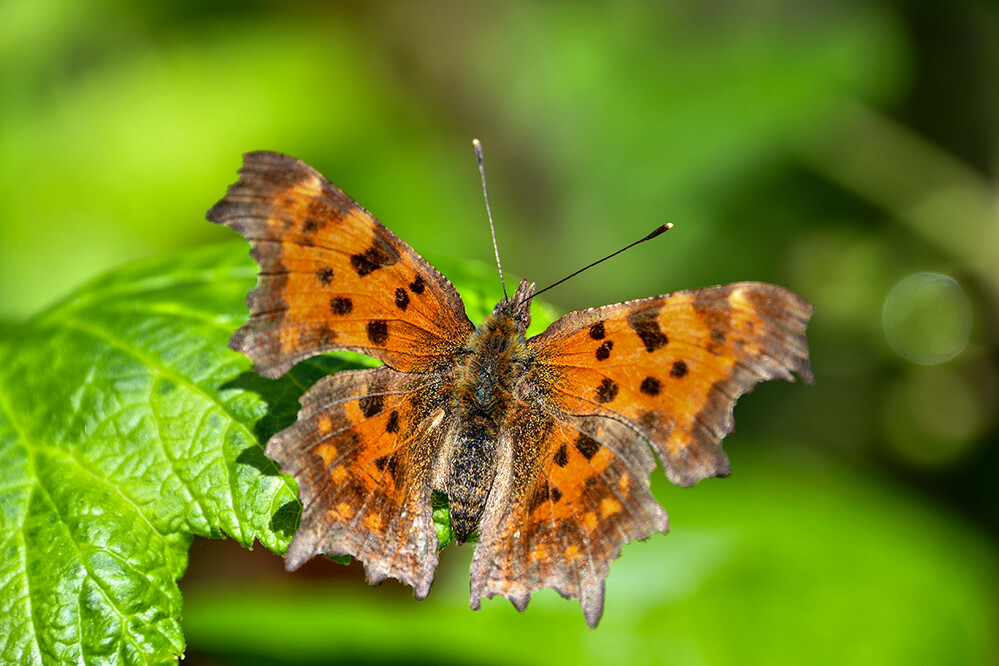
492 360
492 365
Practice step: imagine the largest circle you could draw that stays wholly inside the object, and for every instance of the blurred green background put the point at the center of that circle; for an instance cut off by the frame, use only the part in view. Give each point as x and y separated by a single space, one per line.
849 151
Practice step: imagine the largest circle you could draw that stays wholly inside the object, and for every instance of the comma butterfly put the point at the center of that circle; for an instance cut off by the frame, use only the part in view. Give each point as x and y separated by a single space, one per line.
540 444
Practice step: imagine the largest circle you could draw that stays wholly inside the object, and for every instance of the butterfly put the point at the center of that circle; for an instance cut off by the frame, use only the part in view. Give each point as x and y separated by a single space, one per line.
543 446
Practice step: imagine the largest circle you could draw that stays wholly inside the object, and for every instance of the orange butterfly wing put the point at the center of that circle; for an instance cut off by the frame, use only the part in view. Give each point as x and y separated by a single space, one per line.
331 276
361 452
674 365
578 491
663 371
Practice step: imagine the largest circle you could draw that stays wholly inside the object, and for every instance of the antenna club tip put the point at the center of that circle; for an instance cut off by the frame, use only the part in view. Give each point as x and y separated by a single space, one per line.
659 230
476 143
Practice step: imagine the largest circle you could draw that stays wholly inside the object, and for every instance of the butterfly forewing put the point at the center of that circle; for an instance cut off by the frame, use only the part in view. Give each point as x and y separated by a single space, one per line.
331 276
674 365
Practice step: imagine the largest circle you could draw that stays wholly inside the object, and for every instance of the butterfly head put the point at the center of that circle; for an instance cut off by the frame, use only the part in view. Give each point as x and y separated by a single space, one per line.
519 307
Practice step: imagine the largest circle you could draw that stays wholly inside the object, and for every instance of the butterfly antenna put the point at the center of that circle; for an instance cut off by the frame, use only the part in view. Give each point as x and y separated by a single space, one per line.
660 230
489 212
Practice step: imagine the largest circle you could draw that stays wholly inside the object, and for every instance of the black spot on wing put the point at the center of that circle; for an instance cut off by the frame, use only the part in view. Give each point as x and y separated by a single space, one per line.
678 370
645 323
604 350
587 446
377 256
387 463
393 423
325 275
370 405
651 386
542 495
561 456
607 390
401 299
597 331
417 286
341 305
377 330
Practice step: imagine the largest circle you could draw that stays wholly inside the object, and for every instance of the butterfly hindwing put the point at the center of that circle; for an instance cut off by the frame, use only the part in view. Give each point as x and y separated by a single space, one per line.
674 365
578 490
361 452
331 276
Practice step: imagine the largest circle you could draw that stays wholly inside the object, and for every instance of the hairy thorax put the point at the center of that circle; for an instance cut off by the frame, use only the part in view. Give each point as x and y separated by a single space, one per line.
494 362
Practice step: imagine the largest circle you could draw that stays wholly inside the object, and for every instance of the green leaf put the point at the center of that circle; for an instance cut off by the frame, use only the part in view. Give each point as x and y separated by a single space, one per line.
126 426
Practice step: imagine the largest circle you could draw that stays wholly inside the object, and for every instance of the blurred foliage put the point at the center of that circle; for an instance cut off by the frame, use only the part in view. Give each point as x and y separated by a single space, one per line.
836 148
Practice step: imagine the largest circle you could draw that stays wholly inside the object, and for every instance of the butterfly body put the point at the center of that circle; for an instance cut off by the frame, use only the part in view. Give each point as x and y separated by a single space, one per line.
544 445
489 373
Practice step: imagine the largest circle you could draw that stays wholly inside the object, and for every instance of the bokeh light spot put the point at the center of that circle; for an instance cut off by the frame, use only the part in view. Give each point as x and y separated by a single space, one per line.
927 318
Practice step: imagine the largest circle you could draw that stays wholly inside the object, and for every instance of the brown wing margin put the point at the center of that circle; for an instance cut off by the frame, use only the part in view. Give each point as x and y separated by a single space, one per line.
331 276
361 452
